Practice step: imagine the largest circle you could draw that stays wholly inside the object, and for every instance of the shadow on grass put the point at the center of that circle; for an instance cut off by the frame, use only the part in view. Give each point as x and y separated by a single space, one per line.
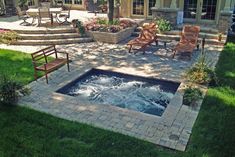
225 68
213 132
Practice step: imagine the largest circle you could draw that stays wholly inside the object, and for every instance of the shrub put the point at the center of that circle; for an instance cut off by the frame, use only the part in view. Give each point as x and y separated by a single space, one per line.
200 73
102 21
7 37
10 90
191 96
163 25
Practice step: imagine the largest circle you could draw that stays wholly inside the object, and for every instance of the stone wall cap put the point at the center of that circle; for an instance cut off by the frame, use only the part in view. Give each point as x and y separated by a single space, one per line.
228 13
165 9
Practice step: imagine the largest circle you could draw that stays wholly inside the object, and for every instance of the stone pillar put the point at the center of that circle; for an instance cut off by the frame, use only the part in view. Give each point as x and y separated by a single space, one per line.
166 13
173 4
158 4
227 6
36 2
225 21
169 14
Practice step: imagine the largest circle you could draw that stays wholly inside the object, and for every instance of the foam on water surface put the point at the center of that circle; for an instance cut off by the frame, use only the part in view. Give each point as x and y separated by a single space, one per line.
125 93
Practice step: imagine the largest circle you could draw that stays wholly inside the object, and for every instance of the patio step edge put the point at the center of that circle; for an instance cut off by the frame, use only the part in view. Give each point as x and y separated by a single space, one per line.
49 36
51 42
47 31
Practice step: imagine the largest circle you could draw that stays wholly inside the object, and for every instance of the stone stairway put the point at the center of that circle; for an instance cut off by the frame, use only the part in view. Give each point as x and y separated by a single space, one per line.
210 34
57 36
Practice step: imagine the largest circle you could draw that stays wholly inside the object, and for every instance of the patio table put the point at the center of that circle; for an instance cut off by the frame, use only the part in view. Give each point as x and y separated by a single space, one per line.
33 12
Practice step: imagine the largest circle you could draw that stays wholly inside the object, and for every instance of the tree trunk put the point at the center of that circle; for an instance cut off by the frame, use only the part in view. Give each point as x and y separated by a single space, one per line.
110 10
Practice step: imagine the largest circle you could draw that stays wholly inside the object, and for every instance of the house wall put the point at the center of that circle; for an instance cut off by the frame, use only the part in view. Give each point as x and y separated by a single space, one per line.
125 8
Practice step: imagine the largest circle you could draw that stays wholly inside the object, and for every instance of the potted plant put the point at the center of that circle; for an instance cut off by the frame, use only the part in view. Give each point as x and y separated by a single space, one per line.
192 96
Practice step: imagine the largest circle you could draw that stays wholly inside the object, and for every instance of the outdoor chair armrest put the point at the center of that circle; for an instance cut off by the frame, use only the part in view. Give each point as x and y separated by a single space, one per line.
62 52
65 53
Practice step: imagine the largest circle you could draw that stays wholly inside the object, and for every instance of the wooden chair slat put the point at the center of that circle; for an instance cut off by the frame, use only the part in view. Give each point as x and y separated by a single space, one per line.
47 66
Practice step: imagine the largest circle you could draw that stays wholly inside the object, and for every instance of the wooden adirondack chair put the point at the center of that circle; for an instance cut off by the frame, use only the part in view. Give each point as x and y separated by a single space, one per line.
147 37
188 41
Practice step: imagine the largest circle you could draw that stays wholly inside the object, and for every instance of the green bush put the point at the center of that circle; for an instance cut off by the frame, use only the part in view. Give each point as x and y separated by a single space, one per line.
200 73
163 25
10 90
191 96
7 37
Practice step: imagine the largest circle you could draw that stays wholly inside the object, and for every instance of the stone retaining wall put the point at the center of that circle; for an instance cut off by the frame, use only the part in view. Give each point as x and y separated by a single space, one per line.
112 38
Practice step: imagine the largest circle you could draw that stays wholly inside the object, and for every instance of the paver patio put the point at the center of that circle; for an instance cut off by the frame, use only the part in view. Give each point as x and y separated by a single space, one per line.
172 130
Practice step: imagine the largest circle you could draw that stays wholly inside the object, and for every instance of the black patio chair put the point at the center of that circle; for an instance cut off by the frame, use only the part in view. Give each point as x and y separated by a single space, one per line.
66 15
22 15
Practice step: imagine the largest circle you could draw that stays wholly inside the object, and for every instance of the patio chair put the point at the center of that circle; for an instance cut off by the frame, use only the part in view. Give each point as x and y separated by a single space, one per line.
44 14
188 41
147 37
22 15
66 15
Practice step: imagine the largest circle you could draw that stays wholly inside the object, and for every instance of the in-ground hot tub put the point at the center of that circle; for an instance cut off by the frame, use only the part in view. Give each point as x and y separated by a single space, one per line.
136 93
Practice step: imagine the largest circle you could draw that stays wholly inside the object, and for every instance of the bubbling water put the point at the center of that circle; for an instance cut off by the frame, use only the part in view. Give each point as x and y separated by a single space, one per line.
121 92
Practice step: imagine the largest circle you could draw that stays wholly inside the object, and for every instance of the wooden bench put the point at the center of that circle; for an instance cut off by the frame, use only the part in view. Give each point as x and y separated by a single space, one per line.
41 62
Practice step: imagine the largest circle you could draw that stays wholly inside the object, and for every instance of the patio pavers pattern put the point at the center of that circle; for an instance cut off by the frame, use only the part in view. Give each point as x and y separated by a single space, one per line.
172 130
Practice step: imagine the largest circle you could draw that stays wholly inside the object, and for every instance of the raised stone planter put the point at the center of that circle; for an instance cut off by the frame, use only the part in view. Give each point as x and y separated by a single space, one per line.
112 38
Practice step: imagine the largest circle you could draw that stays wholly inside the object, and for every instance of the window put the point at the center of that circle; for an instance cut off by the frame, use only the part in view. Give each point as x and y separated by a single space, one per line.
151 4
79 2
138 7
209 9
68 1
190 9
31 3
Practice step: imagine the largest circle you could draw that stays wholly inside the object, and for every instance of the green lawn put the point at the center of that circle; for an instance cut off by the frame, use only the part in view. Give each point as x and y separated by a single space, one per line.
27 133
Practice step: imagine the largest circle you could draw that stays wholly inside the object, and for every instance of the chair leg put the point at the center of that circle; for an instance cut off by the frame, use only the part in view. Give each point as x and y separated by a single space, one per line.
46 75
68 66
156 41
143 49
35 75
24 23
174 52
66 22
130 49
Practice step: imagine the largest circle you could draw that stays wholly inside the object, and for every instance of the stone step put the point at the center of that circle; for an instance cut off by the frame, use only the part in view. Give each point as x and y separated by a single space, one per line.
48 36
53 42
46 31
